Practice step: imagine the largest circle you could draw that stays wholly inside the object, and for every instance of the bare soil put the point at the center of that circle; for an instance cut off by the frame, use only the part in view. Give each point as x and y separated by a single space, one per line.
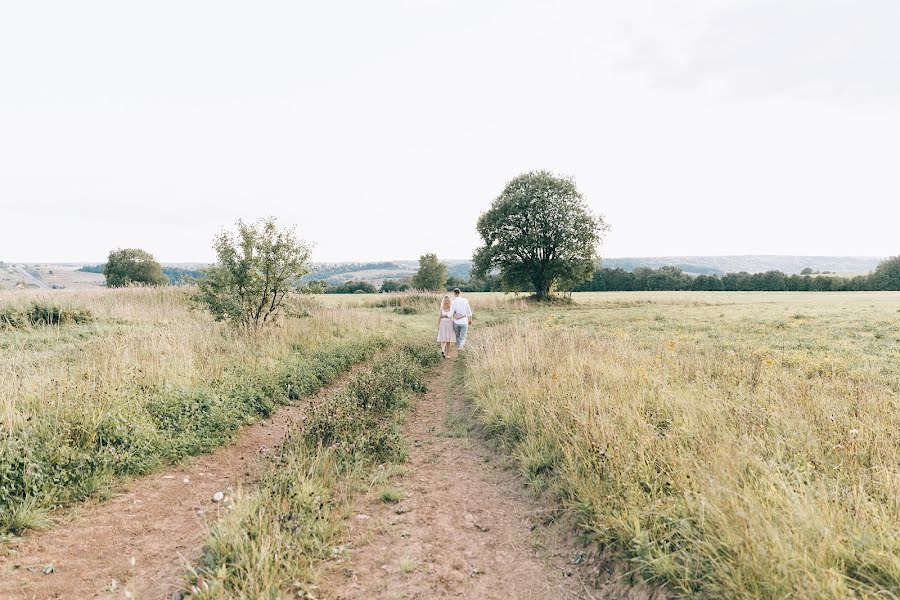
142 541
466 527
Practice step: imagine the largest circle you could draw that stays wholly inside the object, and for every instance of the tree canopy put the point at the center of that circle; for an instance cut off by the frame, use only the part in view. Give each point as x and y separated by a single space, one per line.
887 274
257 267
131 266
539 232
432 274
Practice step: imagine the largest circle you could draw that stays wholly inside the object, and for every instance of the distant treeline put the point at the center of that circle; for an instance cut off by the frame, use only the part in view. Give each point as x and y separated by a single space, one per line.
670 278
176 275
885 277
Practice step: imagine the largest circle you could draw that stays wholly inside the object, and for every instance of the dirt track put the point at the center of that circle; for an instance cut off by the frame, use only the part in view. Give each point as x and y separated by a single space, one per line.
142 540
466 527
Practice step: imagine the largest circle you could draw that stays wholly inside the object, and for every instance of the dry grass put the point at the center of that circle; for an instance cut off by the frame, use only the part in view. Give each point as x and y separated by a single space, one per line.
730 445
142 338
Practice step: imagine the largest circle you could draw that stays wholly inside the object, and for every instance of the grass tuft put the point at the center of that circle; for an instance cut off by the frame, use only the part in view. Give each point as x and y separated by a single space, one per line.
391 495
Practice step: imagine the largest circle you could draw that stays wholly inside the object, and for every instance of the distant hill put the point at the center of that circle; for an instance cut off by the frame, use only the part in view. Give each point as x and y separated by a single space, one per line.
376 272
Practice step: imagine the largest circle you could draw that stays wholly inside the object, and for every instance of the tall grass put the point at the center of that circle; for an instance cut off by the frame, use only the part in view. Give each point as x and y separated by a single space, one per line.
757 456
148 380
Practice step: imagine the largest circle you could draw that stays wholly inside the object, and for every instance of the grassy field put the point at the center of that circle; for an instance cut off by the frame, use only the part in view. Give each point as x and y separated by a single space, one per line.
730 445
738 445
141 379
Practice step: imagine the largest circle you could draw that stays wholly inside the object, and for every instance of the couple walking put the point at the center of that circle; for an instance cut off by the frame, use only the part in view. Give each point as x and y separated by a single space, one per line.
453 322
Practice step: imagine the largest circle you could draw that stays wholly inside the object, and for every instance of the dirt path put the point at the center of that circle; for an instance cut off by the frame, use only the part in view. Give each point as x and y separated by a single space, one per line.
466 527
141 541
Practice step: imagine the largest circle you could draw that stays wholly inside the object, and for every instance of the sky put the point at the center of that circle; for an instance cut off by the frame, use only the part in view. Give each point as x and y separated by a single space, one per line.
382 130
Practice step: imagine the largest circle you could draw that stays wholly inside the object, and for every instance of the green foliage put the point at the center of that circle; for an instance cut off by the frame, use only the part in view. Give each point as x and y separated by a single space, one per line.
353 422
132 266
539 232
256 269
180 276
41 312
887 275
395 285
669 278
175 275
48 463
352 287
432 274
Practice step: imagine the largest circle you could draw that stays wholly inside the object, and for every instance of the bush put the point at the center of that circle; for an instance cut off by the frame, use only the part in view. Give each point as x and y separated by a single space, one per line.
256 269
42 312
133 266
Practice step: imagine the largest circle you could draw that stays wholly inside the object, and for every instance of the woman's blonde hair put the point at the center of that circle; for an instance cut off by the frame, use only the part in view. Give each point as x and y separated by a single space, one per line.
446 299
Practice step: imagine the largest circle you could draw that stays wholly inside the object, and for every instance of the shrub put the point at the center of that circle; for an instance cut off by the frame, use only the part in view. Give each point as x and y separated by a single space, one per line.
42 312
256 269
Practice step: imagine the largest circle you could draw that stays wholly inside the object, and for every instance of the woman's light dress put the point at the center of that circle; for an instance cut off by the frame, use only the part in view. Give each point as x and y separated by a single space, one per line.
445 330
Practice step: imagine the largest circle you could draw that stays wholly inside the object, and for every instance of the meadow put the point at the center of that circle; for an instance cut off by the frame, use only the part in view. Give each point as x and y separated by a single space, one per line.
738 445
727 445
141 379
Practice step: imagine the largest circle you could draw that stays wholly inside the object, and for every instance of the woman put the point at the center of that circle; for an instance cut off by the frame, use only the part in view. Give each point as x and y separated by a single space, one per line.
445 327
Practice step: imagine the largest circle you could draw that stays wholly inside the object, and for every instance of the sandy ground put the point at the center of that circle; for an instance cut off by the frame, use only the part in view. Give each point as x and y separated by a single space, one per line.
466 527
141 541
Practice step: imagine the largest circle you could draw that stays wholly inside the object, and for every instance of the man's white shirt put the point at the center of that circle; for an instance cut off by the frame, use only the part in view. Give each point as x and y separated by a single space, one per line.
460 306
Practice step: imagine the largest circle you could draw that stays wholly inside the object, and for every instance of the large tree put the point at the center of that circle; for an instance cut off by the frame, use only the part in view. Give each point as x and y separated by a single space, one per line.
540 233
258 266
432 274
133 266
886 275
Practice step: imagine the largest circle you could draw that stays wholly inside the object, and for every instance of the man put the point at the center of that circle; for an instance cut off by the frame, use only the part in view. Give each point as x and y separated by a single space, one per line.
462 318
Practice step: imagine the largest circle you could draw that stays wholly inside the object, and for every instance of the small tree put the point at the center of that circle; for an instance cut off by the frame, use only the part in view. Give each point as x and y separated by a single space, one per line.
539 232
257 267
432 274
132 266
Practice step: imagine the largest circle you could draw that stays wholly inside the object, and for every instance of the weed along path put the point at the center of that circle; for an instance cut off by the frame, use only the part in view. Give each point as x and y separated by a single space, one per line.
139 543
454 524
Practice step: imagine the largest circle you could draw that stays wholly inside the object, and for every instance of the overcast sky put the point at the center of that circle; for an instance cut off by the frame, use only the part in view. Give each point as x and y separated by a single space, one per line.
383 129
